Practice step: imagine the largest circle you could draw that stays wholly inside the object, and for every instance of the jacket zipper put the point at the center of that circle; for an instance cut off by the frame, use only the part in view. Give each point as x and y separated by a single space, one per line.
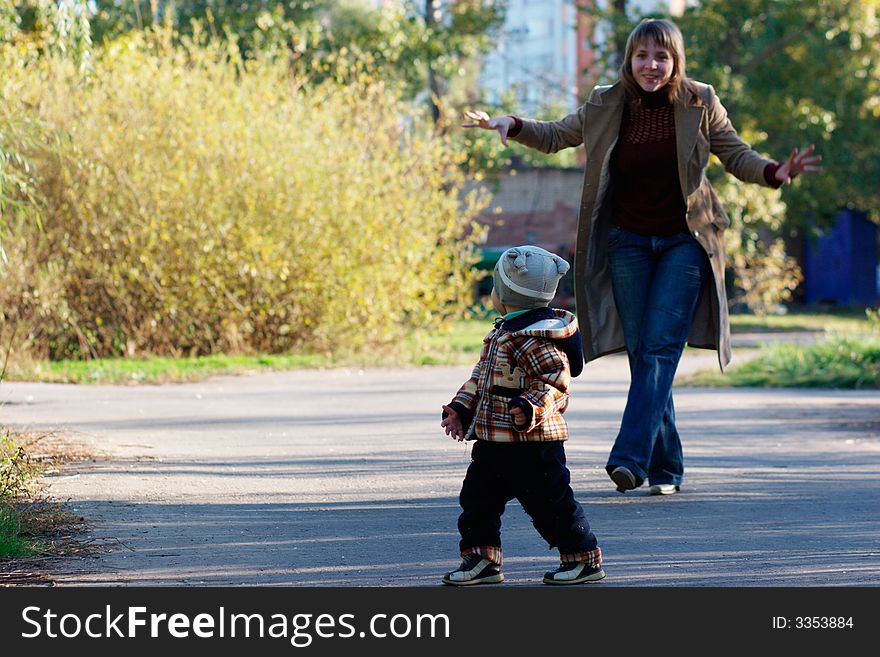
483 392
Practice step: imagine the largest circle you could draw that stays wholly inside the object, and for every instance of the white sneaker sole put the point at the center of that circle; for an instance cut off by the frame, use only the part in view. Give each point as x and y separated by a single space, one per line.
491 579
589 579
663 489
471 577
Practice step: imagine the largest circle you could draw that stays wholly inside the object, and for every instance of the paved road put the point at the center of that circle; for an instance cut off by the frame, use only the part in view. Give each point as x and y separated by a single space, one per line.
344 478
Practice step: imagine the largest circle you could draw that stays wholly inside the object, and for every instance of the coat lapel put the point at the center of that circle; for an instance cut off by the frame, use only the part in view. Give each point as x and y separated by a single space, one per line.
687 127
604 117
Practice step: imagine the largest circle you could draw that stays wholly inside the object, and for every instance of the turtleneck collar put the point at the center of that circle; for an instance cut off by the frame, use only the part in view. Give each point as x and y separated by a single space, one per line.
654 99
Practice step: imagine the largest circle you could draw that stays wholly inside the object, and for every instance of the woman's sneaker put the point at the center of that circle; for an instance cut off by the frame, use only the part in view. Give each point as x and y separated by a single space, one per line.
574 573
474 569
663 489
624 478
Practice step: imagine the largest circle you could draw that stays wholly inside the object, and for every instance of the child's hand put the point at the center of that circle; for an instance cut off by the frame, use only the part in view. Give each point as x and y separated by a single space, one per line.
519 418
452 424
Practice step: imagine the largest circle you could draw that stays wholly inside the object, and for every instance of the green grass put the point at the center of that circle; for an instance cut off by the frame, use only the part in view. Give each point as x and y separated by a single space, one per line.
12 543
846 321
32 524
16 473
846 361
453 347
157 370
457 344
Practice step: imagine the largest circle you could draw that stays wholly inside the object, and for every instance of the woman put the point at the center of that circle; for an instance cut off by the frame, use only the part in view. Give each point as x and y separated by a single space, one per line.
649 262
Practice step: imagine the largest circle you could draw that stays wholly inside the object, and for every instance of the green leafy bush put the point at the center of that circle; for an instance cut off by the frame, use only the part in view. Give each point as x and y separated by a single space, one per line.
195 203
763 275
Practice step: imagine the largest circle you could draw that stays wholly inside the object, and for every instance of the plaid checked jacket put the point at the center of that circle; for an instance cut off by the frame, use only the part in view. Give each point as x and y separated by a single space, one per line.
527 361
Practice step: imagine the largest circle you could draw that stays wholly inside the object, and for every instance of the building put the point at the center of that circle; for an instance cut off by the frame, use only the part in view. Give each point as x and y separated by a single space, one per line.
544 55
537 56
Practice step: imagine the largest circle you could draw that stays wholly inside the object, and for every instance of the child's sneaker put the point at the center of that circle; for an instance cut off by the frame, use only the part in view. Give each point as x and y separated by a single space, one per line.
574 573
474 569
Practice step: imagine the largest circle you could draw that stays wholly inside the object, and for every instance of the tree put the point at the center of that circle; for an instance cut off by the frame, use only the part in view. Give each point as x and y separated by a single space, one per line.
420 42
792 73
613 21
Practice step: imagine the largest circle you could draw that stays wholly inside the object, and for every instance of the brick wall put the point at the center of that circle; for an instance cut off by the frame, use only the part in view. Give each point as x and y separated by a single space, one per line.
535 206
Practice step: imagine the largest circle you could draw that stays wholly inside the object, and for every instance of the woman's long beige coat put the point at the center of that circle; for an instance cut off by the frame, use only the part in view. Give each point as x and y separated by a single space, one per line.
701 128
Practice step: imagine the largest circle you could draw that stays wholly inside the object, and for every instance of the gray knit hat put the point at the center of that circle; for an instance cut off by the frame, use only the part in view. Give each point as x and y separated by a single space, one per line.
527 276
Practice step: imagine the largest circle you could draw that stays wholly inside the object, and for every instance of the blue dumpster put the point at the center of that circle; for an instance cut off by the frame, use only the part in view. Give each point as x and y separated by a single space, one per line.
840 266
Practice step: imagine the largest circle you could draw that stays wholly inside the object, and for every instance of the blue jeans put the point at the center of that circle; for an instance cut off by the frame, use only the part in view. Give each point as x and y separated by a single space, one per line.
657 283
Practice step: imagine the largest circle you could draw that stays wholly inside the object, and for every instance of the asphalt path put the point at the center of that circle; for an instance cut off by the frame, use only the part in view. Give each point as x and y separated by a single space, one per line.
343 477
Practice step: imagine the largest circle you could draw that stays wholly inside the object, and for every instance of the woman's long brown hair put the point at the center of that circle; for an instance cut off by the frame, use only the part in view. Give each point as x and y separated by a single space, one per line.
666 35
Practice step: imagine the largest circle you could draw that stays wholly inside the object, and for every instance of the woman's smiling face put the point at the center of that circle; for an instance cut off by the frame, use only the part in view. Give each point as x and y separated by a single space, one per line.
652 65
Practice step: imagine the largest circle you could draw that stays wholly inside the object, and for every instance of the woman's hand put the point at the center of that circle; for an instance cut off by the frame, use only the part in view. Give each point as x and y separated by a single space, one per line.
452 424
796 164
480 119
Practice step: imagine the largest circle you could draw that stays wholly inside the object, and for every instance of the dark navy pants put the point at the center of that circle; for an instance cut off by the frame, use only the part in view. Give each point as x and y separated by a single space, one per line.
533 473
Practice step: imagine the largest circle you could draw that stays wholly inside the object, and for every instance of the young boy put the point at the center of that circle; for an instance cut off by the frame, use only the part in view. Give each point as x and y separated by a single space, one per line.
512 407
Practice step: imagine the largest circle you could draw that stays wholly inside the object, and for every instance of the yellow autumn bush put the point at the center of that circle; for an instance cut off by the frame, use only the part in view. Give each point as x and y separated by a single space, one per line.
194 203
